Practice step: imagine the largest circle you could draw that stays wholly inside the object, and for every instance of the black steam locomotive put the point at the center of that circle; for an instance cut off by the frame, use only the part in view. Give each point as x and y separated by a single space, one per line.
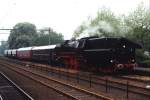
98 54
90 53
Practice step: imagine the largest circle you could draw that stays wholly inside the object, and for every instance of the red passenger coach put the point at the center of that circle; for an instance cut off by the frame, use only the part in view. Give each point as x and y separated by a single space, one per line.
24 53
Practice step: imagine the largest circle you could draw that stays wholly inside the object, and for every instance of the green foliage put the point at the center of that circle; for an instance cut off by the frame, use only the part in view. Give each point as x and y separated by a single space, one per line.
140 56
22 35
142 59
25 34
139 31
145 63
44 37
139 26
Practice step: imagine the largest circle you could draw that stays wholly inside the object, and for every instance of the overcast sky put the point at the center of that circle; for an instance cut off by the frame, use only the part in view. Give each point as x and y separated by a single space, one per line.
63 16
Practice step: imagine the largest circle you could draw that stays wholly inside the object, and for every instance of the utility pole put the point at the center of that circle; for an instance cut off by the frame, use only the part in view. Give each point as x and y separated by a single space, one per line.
49 31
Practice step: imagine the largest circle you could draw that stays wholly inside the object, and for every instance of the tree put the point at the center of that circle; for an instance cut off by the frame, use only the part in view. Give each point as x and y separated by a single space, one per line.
44 37
139 26
22 35
105 24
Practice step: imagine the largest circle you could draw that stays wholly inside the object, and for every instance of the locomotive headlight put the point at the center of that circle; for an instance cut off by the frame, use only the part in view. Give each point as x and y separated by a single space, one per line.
111 61
124 46
132 60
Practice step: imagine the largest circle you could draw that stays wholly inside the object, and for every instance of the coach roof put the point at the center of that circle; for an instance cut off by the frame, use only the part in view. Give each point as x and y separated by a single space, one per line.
25 48
44 47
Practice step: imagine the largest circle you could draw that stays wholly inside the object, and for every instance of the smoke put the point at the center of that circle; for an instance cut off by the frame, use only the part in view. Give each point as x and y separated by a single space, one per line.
105 26
89 31
99 29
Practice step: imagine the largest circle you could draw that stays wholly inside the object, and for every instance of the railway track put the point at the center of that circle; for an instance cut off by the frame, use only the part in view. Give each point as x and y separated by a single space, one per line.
142 71
136 78
94 80
122 80
130 78
11 91
66 89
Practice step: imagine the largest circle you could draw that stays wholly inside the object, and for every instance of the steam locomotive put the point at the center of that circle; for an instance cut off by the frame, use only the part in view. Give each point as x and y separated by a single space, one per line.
89 53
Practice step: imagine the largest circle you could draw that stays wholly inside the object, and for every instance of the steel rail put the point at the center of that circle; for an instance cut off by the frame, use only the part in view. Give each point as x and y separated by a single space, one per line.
66 84
17 87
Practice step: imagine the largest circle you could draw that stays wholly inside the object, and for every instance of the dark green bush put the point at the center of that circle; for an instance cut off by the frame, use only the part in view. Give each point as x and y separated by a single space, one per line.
145 63
142 59
140 56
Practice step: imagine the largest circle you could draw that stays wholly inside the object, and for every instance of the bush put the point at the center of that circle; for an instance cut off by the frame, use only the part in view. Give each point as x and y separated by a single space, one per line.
142 59
140 56
145 63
